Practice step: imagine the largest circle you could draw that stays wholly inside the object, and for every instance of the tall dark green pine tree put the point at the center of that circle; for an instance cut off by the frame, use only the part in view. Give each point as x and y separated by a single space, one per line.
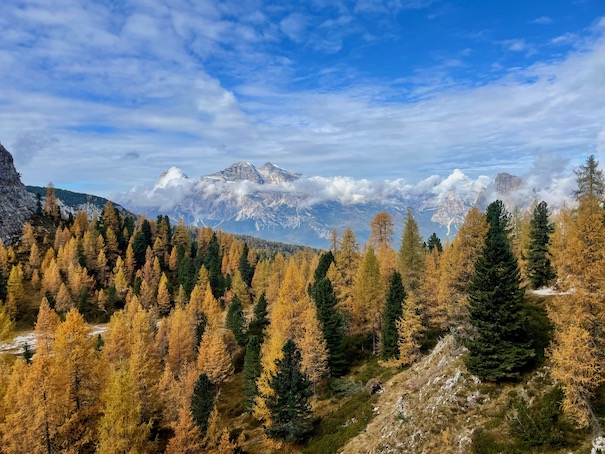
202 402
212 261
236 321
251 372
260 321
434 242
499 345
332 324
245 269
139 247
39 211
539 270
289 406
323 266
392 313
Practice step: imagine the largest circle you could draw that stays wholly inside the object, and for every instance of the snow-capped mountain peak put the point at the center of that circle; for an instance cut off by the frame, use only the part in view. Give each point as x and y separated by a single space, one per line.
276 175
171 177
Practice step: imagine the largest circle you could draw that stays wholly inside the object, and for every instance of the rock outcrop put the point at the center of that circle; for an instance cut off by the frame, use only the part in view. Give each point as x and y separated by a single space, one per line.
16 204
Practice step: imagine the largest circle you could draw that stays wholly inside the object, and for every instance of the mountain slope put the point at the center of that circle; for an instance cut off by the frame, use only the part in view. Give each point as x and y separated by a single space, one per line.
72 202
16 204
437 406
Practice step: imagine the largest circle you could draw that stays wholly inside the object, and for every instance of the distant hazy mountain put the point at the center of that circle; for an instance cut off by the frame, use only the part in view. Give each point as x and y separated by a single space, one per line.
277 204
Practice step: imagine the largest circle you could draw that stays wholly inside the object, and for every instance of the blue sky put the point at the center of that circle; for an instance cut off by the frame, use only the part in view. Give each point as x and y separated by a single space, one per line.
99 96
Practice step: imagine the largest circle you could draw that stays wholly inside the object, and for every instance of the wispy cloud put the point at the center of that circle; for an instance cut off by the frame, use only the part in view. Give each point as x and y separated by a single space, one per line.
142 86
542 20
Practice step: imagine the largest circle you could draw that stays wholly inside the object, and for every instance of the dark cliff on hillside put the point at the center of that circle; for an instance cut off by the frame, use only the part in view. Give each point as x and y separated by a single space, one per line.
16 204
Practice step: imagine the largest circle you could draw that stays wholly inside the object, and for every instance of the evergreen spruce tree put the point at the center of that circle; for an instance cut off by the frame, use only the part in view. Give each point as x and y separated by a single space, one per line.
212 261
200 328
245 268
434 242
236 321
202 402
251 372
289 404
392 313
323 266
499 346
538 268
590 179
260 321
39 211
332 324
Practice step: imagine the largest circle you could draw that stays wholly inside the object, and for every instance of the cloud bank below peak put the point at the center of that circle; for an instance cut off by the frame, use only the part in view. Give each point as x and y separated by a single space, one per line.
546 180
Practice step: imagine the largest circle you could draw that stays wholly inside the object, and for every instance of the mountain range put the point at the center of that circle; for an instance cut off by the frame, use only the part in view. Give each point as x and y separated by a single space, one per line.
273 203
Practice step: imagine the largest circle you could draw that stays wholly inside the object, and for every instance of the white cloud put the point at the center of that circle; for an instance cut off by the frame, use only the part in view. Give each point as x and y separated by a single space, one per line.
294 26
542 20
515 45
161 95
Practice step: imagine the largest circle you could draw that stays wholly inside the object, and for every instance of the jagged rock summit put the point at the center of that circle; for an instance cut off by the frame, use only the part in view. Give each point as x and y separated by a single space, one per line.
16 204
267 174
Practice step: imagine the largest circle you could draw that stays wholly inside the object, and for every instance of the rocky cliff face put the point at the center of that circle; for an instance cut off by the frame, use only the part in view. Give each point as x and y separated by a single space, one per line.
507 183
16 204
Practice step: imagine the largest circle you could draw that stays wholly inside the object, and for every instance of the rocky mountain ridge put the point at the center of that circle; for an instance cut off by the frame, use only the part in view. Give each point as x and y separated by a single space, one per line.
16 204
71 202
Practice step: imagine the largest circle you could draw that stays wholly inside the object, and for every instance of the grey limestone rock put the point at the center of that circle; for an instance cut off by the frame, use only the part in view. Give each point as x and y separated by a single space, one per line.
16 204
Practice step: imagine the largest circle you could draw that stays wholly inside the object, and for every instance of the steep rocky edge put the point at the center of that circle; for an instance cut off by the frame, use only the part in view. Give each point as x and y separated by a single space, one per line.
436 406
16 204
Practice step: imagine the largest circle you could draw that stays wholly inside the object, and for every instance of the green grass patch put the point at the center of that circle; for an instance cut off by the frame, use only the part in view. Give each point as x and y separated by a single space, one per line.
373 369
333 431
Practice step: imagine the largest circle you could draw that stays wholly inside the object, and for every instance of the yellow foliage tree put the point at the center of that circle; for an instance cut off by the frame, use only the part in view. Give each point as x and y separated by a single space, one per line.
163 298
436 312
366 313
410 331
187 437
577 351
120 426
46 327
344 270
15 293
117 339
216 440
239 288
181 340
75 374
458 266
578 366
6 324
28 239
213 357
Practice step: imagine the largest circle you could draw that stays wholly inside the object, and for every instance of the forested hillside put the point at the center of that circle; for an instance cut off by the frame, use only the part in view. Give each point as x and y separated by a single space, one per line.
215 344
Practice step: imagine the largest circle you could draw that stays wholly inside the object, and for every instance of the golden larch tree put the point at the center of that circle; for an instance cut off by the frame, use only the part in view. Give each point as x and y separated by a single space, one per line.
366 314
213 358
187 437
181 340
76 374
120 427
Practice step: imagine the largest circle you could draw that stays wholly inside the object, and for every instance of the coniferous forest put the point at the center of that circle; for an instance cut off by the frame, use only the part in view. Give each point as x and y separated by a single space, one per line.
206 343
